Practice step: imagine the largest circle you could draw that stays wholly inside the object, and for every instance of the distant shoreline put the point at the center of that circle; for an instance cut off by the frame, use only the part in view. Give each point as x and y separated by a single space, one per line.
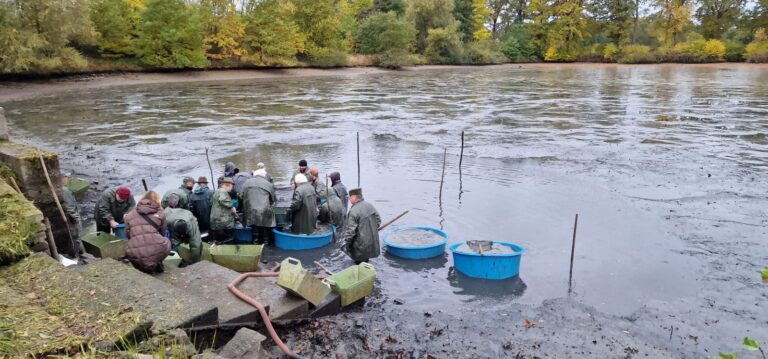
27 89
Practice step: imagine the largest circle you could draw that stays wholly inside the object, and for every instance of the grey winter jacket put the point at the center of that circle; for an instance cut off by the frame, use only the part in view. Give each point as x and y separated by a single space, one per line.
304 209
108 207
258 198
361 236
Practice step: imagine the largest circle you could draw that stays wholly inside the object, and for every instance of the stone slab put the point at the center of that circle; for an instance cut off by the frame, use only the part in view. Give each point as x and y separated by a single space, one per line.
282 306
209 281
166 306
246 345
331 305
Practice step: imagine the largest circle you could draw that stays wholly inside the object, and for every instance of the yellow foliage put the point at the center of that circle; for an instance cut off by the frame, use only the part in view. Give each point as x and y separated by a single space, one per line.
480 14
611 52
715 49
551 54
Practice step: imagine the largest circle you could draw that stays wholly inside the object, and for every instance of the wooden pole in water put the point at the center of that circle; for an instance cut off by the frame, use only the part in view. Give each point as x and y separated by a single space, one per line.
56 199
392 221
358 159
209 165
144 183
442 177
573 249
461 156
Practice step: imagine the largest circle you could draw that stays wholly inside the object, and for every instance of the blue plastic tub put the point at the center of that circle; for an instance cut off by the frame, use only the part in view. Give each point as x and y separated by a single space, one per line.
295 242
243 235
488 266
120 231
416 252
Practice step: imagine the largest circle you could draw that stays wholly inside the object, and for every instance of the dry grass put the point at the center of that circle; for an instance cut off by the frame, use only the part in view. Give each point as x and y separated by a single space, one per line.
17 231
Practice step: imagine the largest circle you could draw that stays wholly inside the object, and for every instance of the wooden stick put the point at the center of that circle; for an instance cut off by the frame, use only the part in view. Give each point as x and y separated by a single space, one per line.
209 164
573 250
323 267
358 159
328 205
15 185
49 237
392 221
461 156
56 198
442 177
144 183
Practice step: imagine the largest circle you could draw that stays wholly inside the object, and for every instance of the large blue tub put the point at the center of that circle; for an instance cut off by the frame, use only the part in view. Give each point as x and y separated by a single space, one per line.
416 252
120 231
488 266
295 242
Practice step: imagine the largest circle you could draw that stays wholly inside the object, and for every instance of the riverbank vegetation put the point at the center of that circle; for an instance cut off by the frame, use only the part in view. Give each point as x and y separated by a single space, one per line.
53 36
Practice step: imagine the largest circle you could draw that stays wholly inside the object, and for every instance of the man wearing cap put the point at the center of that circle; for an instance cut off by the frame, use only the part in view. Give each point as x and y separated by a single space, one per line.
222 212
200 203
330 208
183 227
361 236
112 205
340 189
303 207
302 170
258 198
72 210
184 191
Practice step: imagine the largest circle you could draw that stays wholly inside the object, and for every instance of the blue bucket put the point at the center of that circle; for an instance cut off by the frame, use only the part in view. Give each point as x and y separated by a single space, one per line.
120 231
243 235
488 266
416 252
295 242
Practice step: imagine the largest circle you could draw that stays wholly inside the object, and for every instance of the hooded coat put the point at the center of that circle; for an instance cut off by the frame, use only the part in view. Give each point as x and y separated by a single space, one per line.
258 198
361 236
341 191
240 178
193 231
109 208
303 209
147 246
182 192
229 171
221 210
334 202
200 206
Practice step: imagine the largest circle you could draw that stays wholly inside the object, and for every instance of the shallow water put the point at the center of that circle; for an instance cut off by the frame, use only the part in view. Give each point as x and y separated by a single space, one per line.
627 148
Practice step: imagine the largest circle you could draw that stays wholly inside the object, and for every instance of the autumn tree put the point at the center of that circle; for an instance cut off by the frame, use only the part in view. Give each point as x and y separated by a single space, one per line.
671 19
118 23
613 19
171 36
558 26
320 23
388 36
717 16
480 14
223 31
429 14
271 36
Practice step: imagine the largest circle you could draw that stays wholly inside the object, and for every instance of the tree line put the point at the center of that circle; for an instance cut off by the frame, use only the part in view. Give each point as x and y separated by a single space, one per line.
48 36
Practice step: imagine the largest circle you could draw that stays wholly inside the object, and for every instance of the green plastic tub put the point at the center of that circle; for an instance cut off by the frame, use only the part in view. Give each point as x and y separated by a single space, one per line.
173 260
237 257
298 281
78 187
104 245
353 283
186 254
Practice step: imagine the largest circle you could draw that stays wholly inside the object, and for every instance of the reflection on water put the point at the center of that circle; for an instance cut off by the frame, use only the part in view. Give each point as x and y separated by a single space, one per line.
542 145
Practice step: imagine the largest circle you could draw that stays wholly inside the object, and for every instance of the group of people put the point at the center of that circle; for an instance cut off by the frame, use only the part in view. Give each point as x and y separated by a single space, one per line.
183 213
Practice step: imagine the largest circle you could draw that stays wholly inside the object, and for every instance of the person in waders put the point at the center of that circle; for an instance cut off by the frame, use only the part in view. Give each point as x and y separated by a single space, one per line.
303 169
183 192
361 236
200 204
112 205
258 198
340 189
303 207
72 211
183 227
223 213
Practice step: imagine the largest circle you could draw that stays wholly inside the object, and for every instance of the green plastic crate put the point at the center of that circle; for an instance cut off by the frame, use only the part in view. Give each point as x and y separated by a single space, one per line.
78 187
173 260
103 245
353 283
186 254
237 257
298 281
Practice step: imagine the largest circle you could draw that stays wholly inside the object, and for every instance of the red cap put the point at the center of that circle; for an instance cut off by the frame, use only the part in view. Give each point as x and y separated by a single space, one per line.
123 192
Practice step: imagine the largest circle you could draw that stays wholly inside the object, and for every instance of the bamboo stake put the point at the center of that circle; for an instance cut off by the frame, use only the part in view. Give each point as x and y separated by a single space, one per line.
461 156
49 237
56 198
573 250
209 164
442 177
358 159
144 183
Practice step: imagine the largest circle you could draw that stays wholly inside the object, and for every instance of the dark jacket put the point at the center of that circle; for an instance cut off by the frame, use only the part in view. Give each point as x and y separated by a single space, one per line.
258 198
193 232
108 208
182 192
361 236
341 191
147 246
240 180
200 206
337 212
304 209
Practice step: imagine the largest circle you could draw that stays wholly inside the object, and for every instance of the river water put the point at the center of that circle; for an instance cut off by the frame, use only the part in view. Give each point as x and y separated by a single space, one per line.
633 150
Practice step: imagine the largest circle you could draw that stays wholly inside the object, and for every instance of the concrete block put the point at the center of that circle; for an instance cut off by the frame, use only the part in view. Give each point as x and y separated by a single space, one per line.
3 126
246 345
330 306
281 305
103 245
209 281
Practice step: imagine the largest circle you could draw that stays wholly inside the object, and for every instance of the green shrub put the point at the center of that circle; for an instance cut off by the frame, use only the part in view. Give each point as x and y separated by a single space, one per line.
611 52
592 53
757 50
387 35
171 36
695 50
443 45
636 54
395 59
329 58
518 50
483 52
734 51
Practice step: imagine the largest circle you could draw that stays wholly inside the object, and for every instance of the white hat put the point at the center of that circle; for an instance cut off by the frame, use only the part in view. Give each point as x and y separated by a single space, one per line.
260 172
300 178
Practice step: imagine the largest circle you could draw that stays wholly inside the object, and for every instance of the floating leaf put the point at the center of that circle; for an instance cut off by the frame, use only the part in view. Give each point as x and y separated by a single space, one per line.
727 356
751 344
528 324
